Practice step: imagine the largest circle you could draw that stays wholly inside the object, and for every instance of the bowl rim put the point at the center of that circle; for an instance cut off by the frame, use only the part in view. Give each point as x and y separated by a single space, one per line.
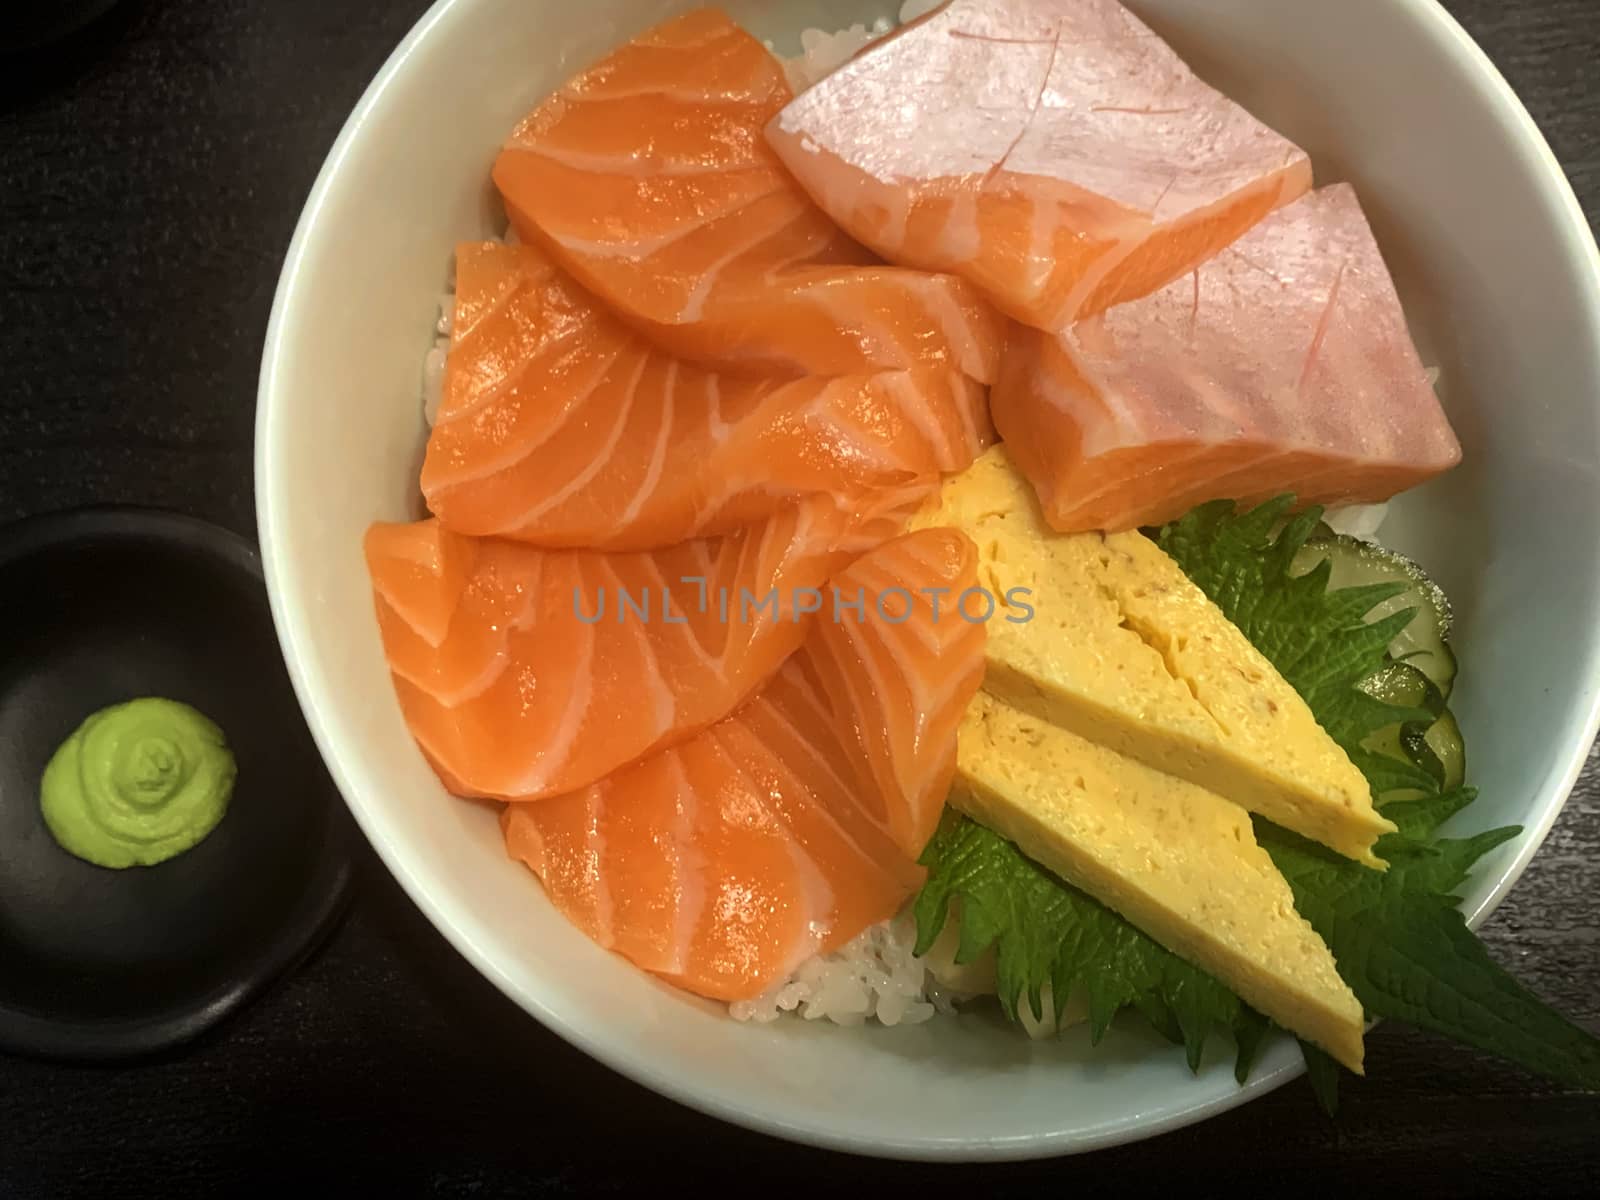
1480 71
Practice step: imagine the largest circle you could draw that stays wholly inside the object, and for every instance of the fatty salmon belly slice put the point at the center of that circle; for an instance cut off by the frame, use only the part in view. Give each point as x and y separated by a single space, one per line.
724 862
562 427
556 667
648 178
1056 153
1283 365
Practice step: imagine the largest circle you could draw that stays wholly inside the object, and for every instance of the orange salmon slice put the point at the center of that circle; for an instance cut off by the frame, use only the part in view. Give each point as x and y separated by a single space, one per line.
648 178
789 828
1283 365
525 673
1056 153
562 427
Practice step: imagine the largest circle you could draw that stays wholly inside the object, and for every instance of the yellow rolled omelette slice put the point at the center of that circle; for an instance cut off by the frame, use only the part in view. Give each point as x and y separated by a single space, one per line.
1177 861
1105 636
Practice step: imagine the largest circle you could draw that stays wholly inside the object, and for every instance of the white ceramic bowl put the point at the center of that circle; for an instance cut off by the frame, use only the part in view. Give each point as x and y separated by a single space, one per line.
1503 284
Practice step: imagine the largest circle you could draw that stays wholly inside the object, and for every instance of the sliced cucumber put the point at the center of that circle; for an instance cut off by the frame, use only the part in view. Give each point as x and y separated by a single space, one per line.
1405 686
1425 642
1435 746
1439 751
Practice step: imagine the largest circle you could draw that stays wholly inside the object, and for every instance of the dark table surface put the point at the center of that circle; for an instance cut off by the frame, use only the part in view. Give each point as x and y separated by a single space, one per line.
150 176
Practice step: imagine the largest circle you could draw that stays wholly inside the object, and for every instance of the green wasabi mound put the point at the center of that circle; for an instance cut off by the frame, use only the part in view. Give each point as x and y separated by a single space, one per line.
137 784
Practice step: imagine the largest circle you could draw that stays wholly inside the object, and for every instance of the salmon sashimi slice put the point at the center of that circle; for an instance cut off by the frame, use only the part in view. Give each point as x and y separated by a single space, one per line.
902 715
525 673
648 178
1055 152
787 829
1283 365
563 427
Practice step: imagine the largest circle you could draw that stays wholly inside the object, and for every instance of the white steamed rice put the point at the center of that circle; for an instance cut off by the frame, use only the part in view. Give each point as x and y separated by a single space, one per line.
1357 520
874 977
877 977
823 51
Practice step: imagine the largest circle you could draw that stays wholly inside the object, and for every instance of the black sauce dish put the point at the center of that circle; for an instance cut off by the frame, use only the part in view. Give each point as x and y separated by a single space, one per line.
102 606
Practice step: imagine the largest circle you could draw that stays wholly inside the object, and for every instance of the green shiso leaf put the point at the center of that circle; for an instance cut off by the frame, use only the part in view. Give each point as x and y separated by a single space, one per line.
1323 1074
1045 932
1397 936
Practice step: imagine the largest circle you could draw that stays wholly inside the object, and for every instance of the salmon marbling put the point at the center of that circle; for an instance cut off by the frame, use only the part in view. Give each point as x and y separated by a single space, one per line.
1056 153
